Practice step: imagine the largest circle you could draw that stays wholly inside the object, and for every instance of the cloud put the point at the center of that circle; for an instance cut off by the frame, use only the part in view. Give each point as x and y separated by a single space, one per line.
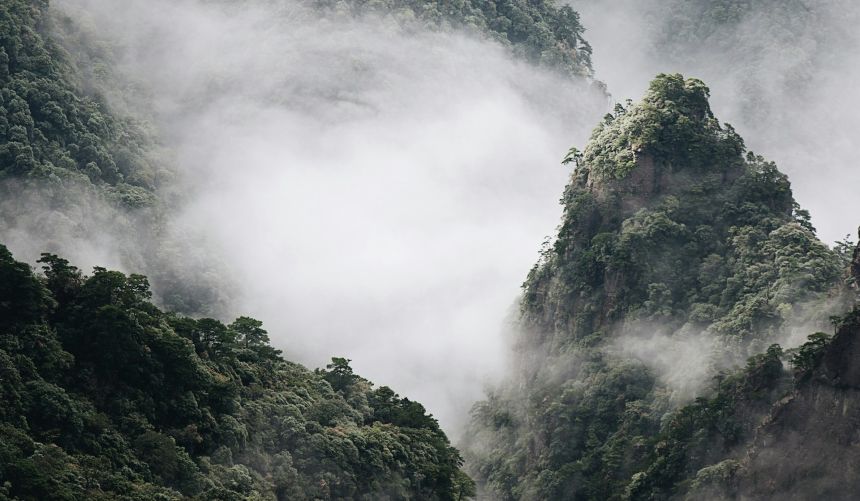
377 192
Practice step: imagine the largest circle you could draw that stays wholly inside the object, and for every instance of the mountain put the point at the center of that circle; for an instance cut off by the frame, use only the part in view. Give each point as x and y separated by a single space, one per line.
108 397
780 72
679 255
674 339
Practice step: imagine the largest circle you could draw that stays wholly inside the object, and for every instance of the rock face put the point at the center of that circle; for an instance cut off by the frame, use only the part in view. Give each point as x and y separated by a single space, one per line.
841 367
809 446
855 265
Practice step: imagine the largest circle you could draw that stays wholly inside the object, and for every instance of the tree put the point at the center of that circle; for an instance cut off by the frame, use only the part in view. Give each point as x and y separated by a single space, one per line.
249 332
339 373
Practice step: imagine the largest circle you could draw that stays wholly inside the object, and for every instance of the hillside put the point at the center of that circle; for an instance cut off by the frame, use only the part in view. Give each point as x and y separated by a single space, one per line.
679 255
107 397
52 128
543 32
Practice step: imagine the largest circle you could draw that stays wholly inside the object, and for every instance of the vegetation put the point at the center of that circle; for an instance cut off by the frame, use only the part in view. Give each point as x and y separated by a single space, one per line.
107 397
539 31
51 128
670 227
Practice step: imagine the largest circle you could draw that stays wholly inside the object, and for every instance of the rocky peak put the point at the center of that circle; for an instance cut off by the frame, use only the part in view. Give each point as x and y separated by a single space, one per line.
666 144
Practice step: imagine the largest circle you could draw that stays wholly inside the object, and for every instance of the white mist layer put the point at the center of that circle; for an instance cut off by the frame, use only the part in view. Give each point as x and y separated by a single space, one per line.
683 361
378 194
810 134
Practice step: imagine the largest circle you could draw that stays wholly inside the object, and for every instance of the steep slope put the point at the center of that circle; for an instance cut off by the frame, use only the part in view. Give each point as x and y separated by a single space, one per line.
542 32
679 254
772 431
107 397
52 128
817 420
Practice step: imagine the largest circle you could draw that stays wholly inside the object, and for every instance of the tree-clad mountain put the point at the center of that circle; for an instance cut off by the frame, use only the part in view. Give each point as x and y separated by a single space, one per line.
73 169
679 254
781 70
107 397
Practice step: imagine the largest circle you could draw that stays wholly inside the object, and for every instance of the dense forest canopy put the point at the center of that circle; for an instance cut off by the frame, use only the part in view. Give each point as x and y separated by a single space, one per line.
52 128
108 397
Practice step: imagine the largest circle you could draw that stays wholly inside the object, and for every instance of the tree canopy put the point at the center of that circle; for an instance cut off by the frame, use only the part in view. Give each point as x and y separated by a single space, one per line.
108 397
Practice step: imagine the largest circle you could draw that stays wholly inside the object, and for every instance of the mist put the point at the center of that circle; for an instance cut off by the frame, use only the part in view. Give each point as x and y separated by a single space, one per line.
785 81
376 192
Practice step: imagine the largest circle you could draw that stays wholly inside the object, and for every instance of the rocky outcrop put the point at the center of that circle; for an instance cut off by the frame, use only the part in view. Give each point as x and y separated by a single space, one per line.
841 364
855 263
809 446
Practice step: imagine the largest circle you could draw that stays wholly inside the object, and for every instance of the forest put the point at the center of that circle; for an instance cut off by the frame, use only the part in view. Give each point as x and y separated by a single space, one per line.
685 334
108 397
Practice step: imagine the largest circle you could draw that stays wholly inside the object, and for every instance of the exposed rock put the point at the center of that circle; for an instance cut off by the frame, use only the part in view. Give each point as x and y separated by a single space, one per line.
809 446
855 264
842 359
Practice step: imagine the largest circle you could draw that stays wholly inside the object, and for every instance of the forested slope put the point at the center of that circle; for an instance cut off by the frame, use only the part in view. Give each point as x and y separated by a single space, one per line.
544 32
52 128
107 397
679 255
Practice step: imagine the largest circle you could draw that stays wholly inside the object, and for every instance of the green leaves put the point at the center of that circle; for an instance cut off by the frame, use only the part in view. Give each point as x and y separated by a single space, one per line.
670 228
135 403
673 126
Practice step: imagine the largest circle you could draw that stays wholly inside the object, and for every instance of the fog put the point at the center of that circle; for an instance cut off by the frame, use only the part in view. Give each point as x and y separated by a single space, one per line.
684 362
785 76
377 193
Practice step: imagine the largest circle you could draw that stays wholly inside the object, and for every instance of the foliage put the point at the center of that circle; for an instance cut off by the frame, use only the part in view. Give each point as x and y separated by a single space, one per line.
539 31
107 397
670 227
706 431
808 355
673 123
52 129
